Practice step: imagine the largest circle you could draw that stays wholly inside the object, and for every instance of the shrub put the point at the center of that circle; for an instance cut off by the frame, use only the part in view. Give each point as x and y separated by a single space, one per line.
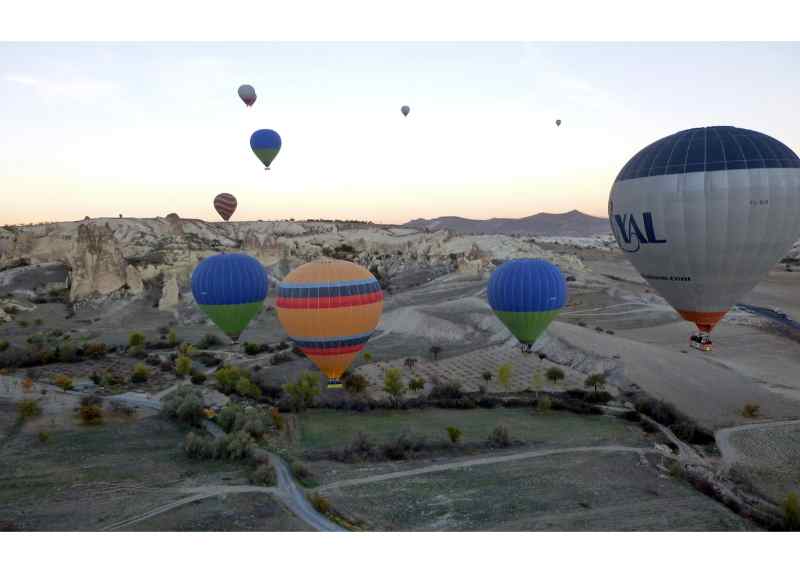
136 339
198 378
355 384
183 365
226 419
251 348
454 434
27 385
263 474
447 391
23 323
393 384
140 373
91 414
43 436
28 409
416 385
581 323
64 382
685 430
244 387
791 512
283 345
750 410
596 381
504 375
172 337
500 437
209 341
301 473
112 379
186 349
601 397
137 352
544 404
303 391
554 374
94 349
95 377
38 322
661 412
675 469
367 356
277 419
3 345
487 376
185 404
435 351
320 503
153 360
280 358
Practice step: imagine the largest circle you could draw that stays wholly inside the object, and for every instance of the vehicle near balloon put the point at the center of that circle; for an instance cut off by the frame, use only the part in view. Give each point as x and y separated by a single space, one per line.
526 295
266 144
248 94
703 214
330 308
405 110
230 289
225 204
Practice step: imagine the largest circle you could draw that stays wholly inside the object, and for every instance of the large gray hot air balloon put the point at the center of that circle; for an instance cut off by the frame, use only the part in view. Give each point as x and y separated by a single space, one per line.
248 94
704 213
558 122
405 110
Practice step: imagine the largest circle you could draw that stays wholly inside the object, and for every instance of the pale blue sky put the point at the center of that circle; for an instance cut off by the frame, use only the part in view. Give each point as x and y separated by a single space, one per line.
146 129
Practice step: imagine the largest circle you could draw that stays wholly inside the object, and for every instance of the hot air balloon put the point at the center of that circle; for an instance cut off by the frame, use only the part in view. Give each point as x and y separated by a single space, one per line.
248 94
230 288
526 295
330 308
225 204
703 214
558 122
405 110
266 144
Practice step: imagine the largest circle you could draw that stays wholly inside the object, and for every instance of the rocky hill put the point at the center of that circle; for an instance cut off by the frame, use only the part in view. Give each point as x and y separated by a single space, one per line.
570 224
101 257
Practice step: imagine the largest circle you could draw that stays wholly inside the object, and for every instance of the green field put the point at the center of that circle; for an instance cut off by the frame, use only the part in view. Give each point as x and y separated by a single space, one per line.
323 429
565 492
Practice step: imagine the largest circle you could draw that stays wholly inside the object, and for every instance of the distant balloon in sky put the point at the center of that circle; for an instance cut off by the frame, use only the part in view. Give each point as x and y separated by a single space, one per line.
704 213
558 122
330 308
266 144
405 110
230 288
248 94
225 204
526 295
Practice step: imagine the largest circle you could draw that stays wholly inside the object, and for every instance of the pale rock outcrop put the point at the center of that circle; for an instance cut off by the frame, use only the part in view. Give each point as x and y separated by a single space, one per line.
170 294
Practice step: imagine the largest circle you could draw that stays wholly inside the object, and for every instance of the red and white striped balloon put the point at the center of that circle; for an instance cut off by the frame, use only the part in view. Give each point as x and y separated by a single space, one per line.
225 204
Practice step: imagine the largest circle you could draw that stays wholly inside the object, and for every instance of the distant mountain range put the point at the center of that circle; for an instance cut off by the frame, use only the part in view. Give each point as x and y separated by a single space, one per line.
570 224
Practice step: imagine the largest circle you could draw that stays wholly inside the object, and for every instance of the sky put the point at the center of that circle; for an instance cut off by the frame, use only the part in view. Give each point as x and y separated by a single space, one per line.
145 129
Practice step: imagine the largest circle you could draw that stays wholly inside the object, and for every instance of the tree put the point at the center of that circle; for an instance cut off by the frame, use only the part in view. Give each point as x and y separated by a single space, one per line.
355 384
596 381
172 337
303 391
435 351
487 376
554 374
417 384
410 363
183 365
454 434
504 374
791 512
367 357
393 384
135 339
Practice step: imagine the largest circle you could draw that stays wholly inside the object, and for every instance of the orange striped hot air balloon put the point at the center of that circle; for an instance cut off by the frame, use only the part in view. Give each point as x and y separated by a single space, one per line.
330 308
225 204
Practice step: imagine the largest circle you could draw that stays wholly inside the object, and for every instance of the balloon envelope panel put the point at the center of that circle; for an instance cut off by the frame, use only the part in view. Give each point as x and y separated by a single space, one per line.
704 214
230 288
329 309
526 295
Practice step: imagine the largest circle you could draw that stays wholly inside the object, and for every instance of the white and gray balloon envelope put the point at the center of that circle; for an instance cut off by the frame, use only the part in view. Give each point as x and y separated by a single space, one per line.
705 213
248 94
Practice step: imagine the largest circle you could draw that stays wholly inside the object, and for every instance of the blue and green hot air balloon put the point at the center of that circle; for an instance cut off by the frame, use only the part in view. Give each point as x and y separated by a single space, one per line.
230 288
266 144
526 295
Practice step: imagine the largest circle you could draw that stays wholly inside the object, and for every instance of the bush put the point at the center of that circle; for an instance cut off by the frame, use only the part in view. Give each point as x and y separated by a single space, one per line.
504 375
661 412
601 397
95 377
280 358
185 404
209 341
416 385
264 475
226 419
140 373
301 473
251 348
153 360
198 378
172 338
183 366
283 345
447 391
544 404
91 414
435 351
28 409
136 339
236 446
94 349
355 384
43 436
393 384
320 503
500 437
454 434
3 345
791 512
554 374
750 410
277 419
303 391
596 381
367 356
186 349
487 376
112 379
64 382
244 387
